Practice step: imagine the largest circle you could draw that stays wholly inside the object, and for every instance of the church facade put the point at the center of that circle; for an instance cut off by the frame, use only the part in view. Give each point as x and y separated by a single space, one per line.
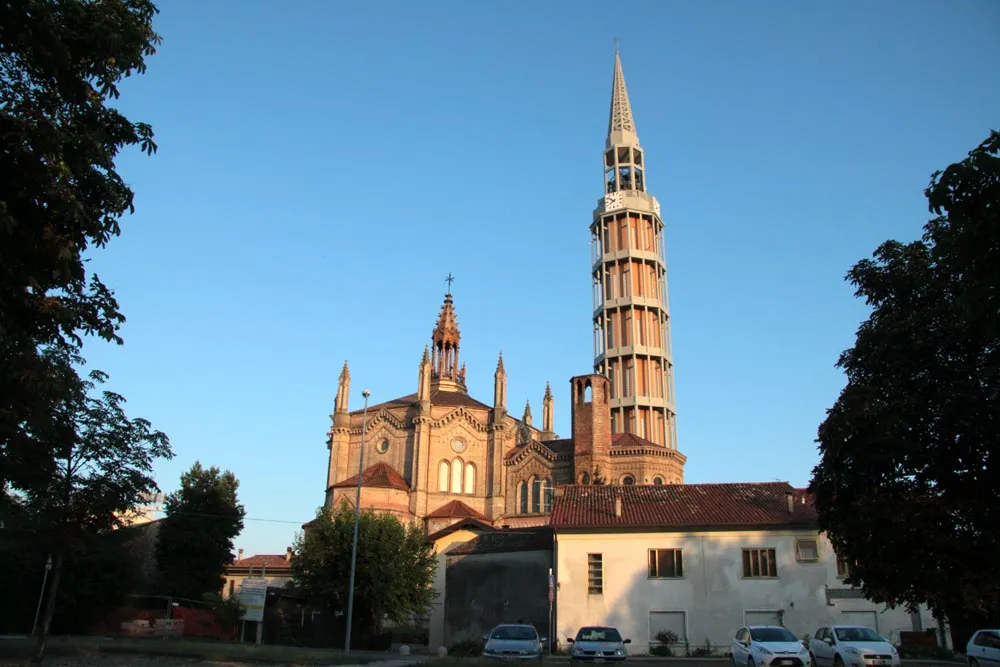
439 455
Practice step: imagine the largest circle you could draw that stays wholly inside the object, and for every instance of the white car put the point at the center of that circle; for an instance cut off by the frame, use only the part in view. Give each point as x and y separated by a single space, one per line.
983 649
768 646
852 646
597 644
513 642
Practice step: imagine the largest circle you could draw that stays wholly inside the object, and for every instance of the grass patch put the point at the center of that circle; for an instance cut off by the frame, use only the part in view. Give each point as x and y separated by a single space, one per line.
187 648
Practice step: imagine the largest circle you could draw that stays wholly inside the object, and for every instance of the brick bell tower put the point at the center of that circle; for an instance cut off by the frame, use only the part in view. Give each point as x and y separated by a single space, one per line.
629 271
591 417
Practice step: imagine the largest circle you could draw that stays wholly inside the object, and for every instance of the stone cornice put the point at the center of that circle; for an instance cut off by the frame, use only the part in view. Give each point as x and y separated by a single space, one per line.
461 413
382 415
661 452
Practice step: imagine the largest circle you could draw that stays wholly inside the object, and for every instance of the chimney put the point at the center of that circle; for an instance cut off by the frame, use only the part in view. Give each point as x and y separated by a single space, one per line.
239 554
790 497
618 506
288 554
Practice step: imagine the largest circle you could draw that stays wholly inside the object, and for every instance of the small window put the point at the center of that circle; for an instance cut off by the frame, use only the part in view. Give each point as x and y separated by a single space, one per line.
595 574
759 563
665 564
628 480
843 568
383 446
657 481
806 551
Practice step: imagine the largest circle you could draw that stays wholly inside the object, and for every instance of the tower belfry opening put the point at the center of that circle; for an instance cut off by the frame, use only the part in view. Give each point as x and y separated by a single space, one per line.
445 370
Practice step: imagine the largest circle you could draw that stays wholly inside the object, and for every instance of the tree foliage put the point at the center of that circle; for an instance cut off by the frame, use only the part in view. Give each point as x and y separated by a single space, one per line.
195 543
908 485
61 61
395 566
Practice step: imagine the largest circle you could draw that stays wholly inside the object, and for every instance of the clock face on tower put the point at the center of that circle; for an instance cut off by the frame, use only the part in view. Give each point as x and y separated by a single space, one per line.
613 201
458 445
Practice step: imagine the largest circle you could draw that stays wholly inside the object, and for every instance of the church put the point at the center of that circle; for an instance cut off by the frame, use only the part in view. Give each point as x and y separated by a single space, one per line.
440 455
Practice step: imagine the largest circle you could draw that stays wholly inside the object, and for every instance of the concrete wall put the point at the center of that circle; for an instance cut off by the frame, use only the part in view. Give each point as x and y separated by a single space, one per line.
486 589
712 598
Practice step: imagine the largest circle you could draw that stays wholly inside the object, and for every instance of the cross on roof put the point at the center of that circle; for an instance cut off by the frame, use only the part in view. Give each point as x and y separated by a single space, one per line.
449 280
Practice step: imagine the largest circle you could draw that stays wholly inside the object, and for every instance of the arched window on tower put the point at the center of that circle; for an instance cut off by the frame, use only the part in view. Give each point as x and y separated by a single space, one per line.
522 492
536 495
547 496
456 475
470 478
444 476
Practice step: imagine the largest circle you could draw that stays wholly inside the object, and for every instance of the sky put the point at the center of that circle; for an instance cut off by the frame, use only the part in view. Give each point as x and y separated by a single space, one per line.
323 166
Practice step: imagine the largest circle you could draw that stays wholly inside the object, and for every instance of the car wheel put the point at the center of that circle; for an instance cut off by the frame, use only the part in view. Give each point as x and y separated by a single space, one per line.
838 661
973 662
750 662
812 659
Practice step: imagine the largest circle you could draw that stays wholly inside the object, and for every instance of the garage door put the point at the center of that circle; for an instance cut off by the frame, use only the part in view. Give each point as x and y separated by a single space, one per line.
762 617
667 621
868 619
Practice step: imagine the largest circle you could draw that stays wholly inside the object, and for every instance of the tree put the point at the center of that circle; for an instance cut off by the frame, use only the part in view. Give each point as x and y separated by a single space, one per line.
195 542
60 63
908 485
394 573
103 465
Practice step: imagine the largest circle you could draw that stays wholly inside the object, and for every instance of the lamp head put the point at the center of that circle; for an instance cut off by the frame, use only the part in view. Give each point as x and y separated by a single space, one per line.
366 393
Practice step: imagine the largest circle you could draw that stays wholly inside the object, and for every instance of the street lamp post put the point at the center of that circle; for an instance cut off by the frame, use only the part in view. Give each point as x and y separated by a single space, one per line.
357 520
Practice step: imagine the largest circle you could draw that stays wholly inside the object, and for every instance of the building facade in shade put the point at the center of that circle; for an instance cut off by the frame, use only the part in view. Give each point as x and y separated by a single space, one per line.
631 315
440 456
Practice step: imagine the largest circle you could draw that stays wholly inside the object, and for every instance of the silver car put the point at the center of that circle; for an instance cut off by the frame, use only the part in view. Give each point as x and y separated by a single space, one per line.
597 644
513 642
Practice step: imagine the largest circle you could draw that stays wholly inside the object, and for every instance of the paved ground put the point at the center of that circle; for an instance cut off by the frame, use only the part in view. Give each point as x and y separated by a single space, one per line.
105 660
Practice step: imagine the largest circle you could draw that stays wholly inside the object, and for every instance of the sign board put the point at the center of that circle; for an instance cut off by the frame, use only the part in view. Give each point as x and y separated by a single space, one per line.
253 595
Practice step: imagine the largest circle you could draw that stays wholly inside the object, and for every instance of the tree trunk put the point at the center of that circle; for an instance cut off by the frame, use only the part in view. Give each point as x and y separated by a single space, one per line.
50 608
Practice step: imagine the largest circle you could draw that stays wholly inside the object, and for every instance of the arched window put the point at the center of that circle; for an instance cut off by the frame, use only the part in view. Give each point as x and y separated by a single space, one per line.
470 478
628 480
547 496
536 495
444 476
658 481
456 475
522 492
585 478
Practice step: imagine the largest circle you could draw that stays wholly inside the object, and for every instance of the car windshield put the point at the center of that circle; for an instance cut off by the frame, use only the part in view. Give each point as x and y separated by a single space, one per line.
514 632
858 635
598 635
772 635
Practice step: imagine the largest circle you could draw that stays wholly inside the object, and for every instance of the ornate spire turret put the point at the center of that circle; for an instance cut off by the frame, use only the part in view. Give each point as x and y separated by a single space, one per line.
527 413
343 390
500 387
424 377
445 343
548 414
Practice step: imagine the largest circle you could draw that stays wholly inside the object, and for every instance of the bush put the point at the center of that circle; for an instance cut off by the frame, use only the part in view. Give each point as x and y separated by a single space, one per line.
665 639
466 649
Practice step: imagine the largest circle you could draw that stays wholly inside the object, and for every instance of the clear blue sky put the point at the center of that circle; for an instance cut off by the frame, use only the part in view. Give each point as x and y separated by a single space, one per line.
324 165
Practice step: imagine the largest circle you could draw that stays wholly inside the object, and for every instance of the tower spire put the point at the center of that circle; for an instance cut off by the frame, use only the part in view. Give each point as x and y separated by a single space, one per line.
444 348
621 125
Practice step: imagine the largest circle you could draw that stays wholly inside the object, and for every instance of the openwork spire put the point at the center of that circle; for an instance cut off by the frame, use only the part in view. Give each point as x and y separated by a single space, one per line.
445 343
621 126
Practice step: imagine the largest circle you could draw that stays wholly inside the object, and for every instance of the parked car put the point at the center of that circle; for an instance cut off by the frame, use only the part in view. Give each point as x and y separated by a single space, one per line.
597 644
513 642
983 649
767 646
852 646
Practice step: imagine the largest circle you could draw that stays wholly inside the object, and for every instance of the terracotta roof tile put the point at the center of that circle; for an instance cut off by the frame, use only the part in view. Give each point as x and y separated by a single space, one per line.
268 561
678 506
379 475
474 524
557 447
448 399
631 440
456 509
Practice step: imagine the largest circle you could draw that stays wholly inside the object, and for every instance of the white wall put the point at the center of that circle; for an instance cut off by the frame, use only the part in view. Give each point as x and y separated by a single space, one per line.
712 599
